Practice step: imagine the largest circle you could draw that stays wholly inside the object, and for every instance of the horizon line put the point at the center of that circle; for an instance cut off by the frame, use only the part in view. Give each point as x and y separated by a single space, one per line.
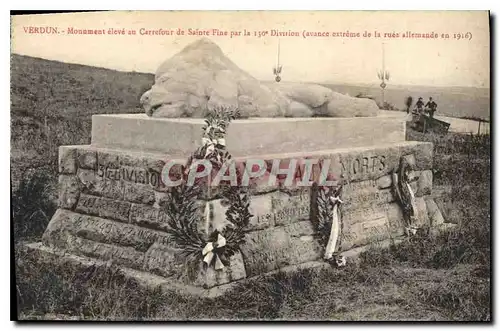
263 80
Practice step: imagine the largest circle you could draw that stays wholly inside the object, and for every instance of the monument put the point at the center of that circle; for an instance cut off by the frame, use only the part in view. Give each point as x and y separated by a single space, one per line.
116 205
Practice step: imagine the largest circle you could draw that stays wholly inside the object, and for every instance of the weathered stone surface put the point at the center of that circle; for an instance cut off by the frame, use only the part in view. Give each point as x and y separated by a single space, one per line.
274 248
108 159
395 219
126 256
434 213
422 215
103 207
372 224
165 261
360 215
355 164
268 135
234 271
424 183
365 232
96 184
69 191
147 216
139 193
56 233
268 210
288 209
87 159
65 223
363 195
384 181
369 164
67 160
161 199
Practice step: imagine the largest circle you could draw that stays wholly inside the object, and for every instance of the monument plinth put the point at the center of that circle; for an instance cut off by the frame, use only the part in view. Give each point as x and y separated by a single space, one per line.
245 137
112 195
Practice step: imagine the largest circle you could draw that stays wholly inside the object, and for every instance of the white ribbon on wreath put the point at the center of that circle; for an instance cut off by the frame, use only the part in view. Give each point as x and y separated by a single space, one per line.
334 232
209 255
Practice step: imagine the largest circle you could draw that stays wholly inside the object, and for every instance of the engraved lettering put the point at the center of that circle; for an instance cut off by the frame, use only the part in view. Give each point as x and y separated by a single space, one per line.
374 162
130 173
365 164
101 170
382 163
154 179
140 177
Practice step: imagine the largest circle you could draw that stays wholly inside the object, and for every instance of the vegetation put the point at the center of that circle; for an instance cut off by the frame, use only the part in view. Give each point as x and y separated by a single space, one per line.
386 106
433 276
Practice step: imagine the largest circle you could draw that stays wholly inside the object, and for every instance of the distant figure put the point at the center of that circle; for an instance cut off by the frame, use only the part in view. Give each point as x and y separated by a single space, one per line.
408 103
419 106
431 106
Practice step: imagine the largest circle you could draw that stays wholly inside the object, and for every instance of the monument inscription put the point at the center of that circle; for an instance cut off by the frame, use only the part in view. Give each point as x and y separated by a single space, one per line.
129 174
363 165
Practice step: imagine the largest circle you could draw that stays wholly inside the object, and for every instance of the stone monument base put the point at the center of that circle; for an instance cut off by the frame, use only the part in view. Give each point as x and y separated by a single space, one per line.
111 198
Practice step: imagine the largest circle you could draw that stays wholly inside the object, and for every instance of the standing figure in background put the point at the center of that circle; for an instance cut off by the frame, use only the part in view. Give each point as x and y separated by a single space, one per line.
431 107
419 106
408 103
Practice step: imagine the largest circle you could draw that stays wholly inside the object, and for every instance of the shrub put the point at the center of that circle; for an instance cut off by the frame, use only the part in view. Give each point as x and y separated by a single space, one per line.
386 106
32 205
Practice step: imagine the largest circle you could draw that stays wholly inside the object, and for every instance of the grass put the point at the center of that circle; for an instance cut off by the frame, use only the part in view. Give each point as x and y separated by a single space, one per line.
434 276
52 104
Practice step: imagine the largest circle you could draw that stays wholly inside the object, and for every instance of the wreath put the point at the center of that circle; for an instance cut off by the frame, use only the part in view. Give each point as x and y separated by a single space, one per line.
182 204
215 249
328 223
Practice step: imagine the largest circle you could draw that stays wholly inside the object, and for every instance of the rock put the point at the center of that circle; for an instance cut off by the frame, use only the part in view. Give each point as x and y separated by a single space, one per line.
278 247
200 77
385 181
435 216
422 217
140 193
67 160
120 255
424 183
165 261
235 270
100 230
268 210
69 191
87 159
103 207
95 184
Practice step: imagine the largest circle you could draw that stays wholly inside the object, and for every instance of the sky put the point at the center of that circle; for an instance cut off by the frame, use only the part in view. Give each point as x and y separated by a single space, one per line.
344 60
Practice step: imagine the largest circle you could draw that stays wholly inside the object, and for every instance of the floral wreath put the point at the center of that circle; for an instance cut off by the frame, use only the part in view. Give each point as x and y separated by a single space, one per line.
328 223
216 248
182 205
405 196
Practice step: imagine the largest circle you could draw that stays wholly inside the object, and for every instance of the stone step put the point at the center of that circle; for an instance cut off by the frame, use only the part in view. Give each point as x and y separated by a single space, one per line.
254 136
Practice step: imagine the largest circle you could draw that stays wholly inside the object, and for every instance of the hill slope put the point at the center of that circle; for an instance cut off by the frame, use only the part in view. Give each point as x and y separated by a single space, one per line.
52 104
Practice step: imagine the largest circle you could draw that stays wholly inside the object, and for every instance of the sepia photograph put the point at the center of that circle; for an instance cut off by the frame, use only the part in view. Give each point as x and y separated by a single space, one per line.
329 166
